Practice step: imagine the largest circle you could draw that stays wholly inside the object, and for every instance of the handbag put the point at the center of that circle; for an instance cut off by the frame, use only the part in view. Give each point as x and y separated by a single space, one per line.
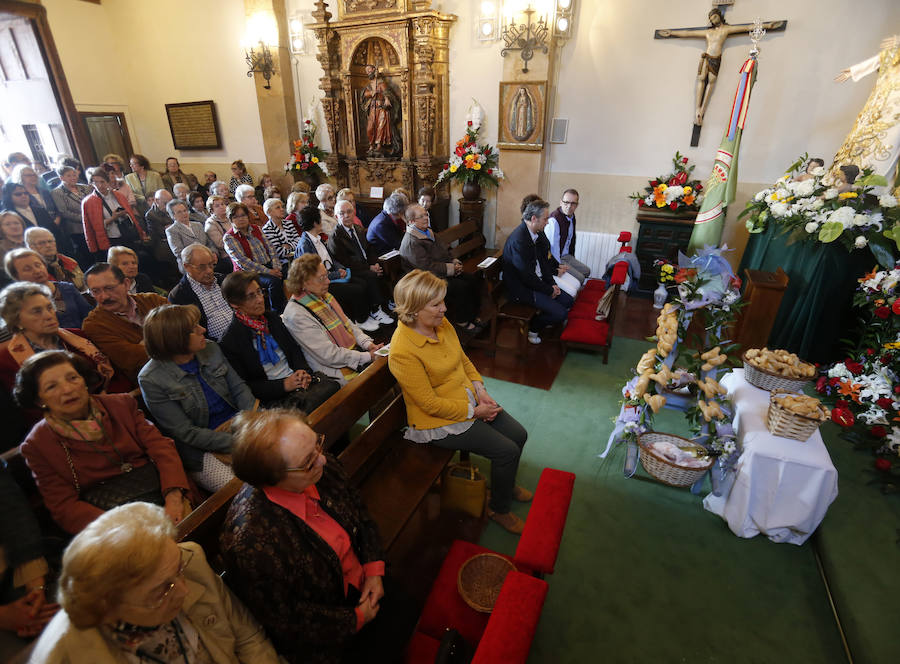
464 489
131 486
454 649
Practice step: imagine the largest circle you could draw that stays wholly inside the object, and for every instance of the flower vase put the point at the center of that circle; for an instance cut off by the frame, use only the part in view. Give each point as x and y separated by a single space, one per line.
660 295
471 191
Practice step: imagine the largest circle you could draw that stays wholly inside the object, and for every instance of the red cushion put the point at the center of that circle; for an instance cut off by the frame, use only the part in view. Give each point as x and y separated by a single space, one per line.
513 623
444 607
583 309
585 331
625 236
422 649
594 285
620 271
539 543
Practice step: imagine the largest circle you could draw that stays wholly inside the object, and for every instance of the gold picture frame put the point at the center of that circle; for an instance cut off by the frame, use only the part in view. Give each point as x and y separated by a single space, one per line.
523 106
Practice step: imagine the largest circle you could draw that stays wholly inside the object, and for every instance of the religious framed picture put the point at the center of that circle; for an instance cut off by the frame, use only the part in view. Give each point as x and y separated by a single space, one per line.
194 125
522 108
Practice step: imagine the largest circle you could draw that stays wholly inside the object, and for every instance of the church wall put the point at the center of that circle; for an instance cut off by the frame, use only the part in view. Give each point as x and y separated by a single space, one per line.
135 57
629 97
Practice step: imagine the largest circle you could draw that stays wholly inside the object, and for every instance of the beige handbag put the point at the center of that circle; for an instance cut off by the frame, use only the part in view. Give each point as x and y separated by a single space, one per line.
463 489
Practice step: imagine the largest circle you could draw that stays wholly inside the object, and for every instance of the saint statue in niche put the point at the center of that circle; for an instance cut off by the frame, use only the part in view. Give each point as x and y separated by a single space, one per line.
521 115
382 110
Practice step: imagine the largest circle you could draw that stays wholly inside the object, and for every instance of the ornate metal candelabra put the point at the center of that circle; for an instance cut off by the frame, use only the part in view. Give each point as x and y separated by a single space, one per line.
525 37
260 61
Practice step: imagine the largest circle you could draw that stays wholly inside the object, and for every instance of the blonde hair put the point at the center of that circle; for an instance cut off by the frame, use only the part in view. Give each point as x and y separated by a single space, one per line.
115 552
344 193
300 186
167 328
414 291
114 253
302 270
293 199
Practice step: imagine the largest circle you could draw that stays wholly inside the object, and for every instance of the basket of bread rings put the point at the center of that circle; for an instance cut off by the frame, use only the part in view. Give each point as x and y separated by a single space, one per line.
776 370
794 416
673 460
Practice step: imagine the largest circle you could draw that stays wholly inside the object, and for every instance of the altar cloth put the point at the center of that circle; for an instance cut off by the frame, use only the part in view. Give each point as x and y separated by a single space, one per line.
780 487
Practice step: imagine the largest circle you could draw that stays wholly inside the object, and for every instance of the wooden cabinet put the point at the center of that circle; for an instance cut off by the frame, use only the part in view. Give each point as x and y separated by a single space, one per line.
662 235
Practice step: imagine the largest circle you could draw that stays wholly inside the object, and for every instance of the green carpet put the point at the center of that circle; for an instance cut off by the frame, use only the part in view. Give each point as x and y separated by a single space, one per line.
645 574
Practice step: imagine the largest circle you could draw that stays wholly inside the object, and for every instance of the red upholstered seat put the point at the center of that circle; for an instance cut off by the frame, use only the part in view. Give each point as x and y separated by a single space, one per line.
508 637
444 607
594 285
626 250
580 330
625 236
539 543
583 309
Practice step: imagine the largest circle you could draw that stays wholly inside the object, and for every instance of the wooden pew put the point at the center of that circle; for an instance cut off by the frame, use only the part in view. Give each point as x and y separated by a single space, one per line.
393 475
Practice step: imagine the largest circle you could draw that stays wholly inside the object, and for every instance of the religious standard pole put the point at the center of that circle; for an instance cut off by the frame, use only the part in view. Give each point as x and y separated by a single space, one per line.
708 71
722 181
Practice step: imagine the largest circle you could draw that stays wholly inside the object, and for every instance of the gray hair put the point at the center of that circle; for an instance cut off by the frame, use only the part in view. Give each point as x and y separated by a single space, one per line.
113 253
241 192
62 170
161 193
175 202
395 204
293 197
13 297
345 203
216 184
410 212
187 254
179 186
9 260
269 204
33 233
534 209
323 189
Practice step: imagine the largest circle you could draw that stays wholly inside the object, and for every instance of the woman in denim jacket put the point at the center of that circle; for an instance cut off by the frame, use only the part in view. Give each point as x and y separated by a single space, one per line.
192 392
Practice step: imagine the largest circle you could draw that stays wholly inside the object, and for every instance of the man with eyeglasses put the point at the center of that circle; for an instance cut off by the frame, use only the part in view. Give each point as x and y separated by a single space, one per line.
116 325
560 230
200 286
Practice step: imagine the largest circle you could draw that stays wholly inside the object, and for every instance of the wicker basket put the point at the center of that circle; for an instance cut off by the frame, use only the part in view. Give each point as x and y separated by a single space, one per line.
788 424
663 469
480 579
768 380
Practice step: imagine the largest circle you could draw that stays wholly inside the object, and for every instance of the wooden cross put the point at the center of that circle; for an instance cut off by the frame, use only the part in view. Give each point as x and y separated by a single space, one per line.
715 34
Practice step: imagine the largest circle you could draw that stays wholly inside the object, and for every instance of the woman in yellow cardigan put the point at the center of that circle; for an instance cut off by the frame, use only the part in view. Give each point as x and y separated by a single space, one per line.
446 403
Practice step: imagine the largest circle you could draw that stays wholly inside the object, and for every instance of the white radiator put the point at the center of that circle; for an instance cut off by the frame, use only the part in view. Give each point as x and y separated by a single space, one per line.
595 250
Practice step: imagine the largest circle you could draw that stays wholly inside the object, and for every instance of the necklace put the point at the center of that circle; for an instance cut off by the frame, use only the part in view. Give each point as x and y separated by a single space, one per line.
124 466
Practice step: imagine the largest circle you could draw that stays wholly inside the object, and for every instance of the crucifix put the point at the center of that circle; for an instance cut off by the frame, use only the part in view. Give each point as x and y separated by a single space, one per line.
715 34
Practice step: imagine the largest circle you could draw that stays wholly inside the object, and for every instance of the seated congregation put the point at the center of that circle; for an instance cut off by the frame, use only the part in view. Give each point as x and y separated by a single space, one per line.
166 339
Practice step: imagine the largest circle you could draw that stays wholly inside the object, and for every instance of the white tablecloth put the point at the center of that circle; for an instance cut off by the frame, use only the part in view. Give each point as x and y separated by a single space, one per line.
781 487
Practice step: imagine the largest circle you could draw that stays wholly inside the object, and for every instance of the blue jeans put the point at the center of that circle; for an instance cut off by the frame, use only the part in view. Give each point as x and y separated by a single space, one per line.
553 310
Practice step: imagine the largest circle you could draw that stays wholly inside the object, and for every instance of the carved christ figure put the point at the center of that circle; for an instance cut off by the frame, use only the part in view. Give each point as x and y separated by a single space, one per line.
715 34
377 105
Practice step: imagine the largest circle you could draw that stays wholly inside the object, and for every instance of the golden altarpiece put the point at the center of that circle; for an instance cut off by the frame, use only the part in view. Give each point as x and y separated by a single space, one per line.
386 90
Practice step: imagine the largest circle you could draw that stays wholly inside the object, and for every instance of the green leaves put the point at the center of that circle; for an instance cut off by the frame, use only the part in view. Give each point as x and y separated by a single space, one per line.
830 231
871 180
882 250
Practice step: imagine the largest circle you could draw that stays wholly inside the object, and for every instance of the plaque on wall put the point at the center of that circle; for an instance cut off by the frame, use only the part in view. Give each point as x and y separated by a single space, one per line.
194 125
521 122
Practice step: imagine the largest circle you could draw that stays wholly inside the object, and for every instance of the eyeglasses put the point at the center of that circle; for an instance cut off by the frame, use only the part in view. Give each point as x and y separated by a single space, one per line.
575 203
103 289
202 266
252 295
240 215
20 193
168 586
320 446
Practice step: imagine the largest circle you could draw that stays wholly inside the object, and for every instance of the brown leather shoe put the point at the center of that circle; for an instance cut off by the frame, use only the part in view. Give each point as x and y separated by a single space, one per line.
508 521
521 494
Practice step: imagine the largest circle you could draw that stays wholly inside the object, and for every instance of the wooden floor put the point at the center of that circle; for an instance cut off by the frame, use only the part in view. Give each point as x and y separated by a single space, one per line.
635 319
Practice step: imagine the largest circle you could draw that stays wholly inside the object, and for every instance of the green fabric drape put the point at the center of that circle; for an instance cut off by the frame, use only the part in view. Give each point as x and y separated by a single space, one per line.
816 311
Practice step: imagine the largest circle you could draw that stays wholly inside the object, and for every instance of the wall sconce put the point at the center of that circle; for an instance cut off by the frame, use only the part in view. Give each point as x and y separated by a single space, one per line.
487 25
297 34
262 32
564 18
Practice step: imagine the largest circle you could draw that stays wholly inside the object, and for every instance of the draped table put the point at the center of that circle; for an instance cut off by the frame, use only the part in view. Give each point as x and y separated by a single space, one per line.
780 487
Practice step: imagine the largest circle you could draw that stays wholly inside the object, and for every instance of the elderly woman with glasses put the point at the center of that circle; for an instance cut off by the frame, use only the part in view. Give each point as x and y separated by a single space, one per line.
302 552
332 343
131 593
126 260
192 392
63 268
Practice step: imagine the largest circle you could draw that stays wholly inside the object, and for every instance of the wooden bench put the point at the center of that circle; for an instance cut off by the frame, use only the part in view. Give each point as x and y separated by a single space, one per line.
393 475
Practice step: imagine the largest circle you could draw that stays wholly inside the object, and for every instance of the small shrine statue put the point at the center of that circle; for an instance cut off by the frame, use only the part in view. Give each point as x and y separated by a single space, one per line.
811 165
382 109
874 140
475 114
